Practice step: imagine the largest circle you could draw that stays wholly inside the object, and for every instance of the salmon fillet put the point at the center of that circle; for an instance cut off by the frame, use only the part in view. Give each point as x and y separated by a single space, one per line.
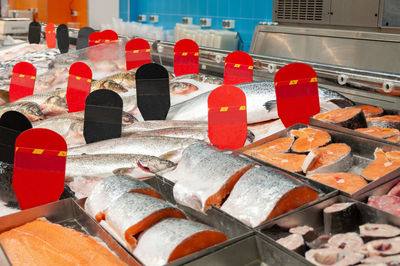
395 139
387 121
287 161
346 182
280 145
379 132
383 164
350 117
370 111
43 243
308 139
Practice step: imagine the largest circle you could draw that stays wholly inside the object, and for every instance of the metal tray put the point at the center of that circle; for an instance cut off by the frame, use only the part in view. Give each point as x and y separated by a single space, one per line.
313 216
361 148
69 214
251 251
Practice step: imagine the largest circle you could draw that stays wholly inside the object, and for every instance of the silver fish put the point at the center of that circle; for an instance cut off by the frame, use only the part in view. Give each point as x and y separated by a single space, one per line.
258 192
50 105
133 213
260 99
160 124
60 124
157 244
97 165
29 109
210 180
204 78
110 189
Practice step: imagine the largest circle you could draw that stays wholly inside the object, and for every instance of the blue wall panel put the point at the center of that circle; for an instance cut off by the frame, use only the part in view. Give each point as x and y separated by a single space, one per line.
246 13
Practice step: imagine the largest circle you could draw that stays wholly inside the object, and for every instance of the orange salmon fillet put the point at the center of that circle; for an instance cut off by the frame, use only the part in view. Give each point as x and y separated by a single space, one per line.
379 132
308 139
280 145
370 111
383 164
43 243
338 115
329 154
389 118
395 139
346 182
288 161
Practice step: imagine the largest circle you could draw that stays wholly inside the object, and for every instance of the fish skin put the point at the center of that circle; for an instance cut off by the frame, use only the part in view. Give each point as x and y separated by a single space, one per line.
181 88
127 79
108 85
391 121
49 105
109 189
260 98
148 145
208 177
257 193
157 243
92 166
204 78
161 124
4 97
29 109
6 190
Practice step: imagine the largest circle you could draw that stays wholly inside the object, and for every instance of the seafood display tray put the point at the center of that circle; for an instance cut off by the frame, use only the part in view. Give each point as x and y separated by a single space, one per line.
379 191
69 214
250 251
313 217
330 126
361 148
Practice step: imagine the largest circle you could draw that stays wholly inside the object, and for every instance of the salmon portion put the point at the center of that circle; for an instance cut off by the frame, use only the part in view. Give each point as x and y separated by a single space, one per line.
383 164
42 242
332 158
395 139
379 132
387 121
346 182
371 111
308 139
280 145
350 117
287 161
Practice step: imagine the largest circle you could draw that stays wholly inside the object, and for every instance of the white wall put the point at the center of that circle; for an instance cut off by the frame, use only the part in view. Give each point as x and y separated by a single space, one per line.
101 12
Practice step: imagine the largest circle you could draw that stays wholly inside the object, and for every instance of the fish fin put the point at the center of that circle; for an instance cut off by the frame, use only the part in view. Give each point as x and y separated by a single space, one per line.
122 171
270 105
250 136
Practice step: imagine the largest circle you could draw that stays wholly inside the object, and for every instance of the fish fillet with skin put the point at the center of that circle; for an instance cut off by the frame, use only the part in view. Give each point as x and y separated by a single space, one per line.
379 132
111 188
264 193
42 242
288 161
387 121
350 117
308 139
133 213
210 180
172 239
383 164
371 111
280 145
349 183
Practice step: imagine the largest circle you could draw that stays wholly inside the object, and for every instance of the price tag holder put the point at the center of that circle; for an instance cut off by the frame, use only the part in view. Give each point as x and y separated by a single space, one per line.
50 35
83 37
186 57
137 53
34 32
238 68
23 79
79 86
62 38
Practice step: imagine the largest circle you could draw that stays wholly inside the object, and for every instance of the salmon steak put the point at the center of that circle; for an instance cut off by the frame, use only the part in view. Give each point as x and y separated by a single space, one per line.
333 256
211 180
173 238
41 242
386 121
280 145
383 247
350 117
346 182
395 139
256 199
132 213
110 189
349 241
287 161
370 111
333 158
308 139
379 132
383 164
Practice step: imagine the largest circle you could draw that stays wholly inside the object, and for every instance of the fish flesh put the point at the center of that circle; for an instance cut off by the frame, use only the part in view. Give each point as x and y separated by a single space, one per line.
349 241
49 105
280 145
132 213
382 261
210 180
111 188
390 204
293 242
379 132
308 139
395 139
287 161
45 243
264 193
340 217
378 230
334 256
307 232
350 117
260 99
383 247
335 157
93 166
347 182
383 164
387 121
370 111
29 109
395 191
148 145
173 238
319 242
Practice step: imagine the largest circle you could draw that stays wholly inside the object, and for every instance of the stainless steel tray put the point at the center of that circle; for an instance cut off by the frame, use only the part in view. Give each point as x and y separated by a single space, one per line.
313 216
362 150
69 214
251 251
379 191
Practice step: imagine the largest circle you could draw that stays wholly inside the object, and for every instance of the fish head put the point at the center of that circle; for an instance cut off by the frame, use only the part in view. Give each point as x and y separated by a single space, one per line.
182 88
54 105
32 111
155 165
128 119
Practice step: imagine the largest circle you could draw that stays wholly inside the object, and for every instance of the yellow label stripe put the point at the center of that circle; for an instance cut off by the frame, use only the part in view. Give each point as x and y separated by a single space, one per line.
314 80
37 151
224 109
62 154
237 65
293 82
242 108
78 78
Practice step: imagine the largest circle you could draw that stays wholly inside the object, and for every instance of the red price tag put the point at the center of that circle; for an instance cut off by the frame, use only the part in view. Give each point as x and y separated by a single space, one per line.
137 53
50 35
186 57
23 79
238 68
296 88
39 167
79 85
227 117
